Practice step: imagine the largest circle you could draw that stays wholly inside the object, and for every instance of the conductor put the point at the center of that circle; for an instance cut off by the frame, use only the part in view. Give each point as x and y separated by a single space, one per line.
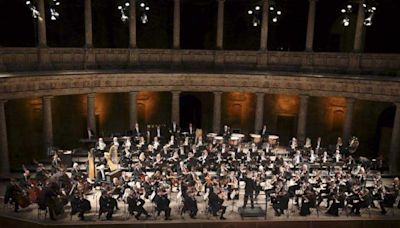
249 189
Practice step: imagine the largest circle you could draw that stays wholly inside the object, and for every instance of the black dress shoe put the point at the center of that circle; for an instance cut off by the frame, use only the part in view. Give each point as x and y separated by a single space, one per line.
222 218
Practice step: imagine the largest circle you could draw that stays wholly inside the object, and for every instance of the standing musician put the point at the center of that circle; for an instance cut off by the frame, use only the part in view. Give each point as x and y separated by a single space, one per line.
135 204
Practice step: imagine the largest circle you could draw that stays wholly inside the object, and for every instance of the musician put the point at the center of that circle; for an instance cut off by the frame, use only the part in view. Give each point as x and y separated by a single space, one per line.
91 134
249 189
79 205
308 201
76 174
48 199
12 191
297 159
190 204
318 146
390 196
174 130
135 132
293 144
162 203
362 200
337 156
55 163
191 131
135 204
100 147
41 174
338 202
280 199
215 204
264 133
106 205
226 133
307 145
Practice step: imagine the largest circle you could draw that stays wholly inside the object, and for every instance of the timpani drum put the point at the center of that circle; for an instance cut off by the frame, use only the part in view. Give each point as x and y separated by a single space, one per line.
234 141
219 139
256 138
273 140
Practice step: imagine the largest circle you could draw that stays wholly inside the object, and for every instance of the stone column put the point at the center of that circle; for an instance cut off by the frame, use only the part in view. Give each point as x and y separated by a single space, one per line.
348 121
220 24
4 160
264 26
88 24
217 112
47 122
91 113
132 109
302 120
42 24
359 27
394 143
177 24
310 24
132 24
175 106
259 112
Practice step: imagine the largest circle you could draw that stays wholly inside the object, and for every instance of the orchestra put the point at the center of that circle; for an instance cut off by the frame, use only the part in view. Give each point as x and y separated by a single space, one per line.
213 170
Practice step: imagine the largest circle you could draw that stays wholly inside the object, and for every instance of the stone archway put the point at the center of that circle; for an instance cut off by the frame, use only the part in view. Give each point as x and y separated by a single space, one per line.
383 131
190 111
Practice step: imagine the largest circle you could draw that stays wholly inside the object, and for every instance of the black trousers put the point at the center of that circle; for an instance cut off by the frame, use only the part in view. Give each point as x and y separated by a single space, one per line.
167 211
246 198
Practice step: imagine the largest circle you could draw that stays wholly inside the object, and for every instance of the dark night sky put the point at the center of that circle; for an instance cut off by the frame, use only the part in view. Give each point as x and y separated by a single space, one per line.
198 26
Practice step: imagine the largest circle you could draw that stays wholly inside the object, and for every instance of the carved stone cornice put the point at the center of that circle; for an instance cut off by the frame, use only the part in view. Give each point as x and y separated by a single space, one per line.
23 86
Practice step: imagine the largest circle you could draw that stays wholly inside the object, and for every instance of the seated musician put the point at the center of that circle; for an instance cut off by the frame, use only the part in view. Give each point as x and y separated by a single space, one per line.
135 204
337 202
47 199
390 196
362 200
12 191
100 147
174 130
79 205
190 203
76 174
107 205
309 201
280 199
264 133
297 159
162 203
215 203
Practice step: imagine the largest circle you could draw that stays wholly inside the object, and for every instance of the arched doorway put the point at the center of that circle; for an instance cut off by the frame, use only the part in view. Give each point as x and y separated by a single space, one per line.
383 131
190 111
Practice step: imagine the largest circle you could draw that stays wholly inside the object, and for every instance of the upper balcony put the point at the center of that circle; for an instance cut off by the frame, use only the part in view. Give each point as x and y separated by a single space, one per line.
59 59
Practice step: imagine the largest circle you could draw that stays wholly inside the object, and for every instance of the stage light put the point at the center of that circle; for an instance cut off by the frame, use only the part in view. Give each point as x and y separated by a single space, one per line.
257 7
147 8
250 12
142 4
279 12
343 11
271 8
127 4
274 19
349 6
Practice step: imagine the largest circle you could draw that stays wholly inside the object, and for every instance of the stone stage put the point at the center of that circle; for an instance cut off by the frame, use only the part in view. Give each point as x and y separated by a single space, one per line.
29 217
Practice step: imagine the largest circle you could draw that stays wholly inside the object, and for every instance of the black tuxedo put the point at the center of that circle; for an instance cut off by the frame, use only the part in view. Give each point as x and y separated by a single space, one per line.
249 189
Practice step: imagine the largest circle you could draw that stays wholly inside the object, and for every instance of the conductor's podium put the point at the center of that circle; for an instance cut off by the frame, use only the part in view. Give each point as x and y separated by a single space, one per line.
257 211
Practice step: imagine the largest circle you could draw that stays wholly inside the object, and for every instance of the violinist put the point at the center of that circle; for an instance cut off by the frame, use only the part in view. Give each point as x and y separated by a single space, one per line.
390 196
107 205
309 200
190 203
79 205
135 204
76 174
12 191
280 199
162 203
363 199
215 203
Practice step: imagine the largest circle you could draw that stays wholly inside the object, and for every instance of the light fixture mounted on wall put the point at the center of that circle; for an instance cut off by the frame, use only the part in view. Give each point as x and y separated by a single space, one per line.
369 6
53 6
143 9
256 12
